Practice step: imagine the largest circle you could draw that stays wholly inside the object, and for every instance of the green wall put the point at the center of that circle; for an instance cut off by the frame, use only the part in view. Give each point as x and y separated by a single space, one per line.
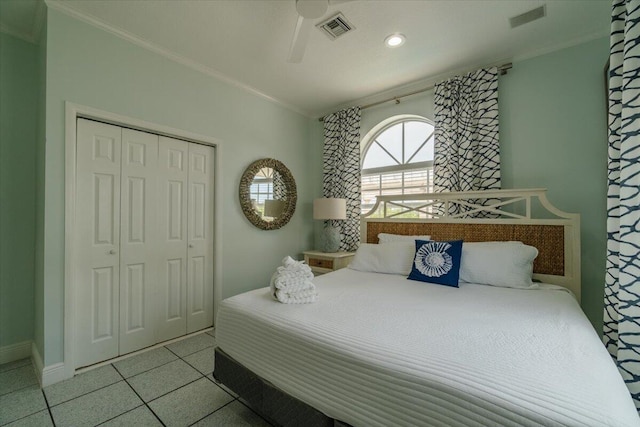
552 135
91 67
18 113
38 331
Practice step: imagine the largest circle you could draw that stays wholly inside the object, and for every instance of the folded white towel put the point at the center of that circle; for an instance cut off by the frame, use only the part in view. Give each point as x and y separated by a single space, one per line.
291 283
304 269
304 297
293 276
289 264
295 286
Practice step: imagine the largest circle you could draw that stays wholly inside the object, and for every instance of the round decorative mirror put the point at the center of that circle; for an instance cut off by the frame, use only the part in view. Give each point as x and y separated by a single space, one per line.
268 194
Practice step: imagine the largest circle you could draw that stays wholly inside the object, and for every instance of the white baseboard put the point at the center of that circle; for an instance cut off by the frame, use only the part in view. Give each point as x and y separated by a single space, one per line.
13 352
37 362
47 375
53 374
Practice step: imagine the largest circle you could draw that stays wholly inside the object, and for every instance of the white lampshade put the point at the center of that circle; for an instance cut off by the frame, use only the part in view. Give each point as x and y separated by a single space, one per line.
273 208
329 208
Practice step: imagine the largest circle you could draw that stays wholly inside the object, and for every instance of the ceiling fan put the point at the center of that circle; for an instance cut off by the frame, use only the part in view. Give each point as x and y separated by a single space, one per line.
308 10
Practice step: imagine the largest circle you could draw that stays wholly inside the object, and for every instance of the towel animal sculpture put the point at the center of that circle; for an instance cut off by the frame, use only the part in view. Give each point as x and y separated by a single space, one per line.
291 283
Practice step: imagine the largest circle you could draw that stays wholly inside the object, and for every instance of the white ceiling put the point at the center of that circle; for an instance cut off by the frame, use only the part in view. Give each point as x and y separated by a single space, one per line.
246 42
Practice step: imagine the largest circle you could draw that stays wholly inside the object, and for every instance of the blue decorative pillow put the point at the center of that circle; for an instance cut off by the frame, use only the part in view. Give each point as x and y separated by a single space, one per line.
437 262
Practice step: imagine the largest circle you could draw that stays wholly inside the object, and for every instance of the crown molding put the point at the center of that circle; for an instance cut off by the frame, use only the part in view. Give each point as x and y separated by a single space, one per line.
27 37
32 36
564 45
139 41
39 20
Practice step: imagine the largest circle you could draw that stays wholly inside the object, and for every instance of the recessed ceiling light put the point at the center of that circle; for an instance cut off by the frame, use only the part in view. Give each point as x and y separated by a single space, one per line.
394 40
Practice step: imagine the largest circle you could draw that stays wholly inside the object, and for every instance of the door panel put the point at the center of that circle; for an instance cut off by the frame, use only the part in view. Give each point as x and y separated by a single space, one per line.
172 237
103 287
134 290
173 289
200 236
138 252
97 241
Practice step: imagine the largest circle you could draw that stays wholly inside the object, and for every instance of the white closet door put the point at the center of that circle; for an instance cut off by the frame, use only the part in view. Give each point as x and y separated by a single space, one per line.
172 238
200 233
98 240
138 249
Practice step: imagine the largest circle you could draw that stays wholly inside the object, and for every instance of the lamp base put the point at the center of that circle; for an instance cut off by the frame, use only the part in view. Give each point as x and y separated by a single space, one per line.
330 239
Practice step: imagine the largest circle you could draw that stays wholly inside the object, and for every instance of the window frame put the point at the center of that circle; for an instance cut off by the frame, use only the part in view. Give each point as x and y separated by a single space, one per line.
371 138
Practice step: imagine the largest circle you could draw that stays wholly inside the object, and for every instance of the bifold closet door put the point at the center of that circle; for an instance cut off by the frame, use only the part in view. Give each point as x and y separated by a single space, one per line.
173 175
200 238
97 241
144 240
138 248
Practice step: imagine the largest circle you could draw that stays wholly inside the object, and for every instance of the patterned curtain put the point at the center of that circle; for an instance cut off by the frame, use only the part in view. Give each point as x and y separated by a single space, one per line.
467 147
341 170
622 280
279 187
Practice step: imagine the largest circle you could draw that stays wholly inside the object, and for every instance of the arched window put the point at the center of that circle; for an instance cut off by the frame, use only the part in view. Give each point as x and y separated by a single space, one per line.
397 159
261 189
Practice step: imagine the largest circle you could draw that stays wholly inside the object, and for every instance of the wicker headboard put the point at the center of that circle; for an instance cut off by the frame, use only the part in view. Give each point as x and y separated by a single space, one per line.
557 239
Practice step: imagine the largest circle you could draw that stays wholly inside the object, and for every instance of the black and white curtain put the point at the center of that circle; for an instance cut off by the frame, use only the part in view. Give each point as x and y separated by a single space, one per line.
466 146
279 187
622 280
341 170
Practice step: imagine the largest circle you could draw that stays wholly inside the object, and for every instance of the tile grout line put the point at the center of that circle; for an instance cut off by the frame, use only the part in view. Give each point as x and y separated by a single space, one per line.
33 413
186 355
19 389
197 351
17 367
46 401
169 392
185 361
208 415
150 369
85 394
175 389
139 397
143 401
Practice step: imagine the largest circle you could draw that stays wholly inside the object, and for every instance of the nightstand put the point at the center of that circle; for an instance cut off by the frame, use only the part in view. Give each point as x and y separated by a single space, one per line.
325 262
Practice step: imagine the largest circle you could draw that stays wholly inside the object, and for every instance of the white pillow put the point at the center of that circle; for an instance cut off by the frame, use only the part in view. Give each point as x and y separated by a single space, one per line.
505 264
390 238
391 258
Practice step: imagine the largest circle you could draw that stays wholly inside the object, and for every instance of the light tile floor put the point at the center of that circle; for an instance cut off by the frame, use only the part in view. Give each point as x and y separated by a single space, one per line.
168 386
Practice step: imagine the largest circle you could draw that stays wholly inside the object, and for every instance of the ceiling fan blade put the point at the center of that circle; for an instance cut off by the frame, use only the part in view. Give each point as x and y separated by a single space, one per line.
300 38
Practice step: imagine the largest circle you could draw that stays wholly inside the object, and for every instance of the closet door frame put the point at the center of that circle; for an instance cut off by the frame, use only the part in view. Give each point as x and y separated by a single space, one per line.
66 369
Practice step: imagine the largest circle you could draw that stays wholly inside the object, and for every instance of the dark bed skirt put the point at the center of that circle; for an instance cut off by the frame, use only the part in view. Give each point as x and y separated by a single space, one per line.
276 406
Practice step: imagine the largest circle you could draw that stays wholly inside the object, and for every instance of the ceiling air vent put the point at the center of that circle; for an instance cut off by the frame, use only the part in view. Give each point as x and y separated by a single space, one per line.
532 15
335 26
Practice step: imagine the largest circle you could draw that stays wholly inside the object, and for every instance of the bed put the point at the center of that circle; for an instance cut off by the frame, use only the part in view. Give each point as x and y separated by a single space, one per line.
380 350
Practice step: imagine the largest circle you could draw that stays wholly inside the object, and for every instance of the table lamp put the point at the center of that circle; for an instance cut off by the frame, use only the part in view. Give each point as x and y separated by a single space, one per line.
329 208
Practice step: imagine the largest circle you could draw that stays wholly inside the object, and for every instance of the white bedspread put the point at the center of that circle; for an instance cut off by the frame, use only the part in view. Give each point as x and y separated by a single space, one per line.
380 350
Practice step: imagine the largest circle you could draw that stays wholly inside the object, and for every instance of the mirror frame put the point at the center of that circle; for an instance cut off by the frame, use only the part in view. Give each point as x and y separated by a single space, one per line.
245 196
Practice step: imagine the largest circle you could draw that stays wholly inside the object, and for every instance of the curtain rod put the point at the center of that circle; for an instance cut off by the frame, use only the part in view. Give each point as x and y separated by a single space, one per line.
502 70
